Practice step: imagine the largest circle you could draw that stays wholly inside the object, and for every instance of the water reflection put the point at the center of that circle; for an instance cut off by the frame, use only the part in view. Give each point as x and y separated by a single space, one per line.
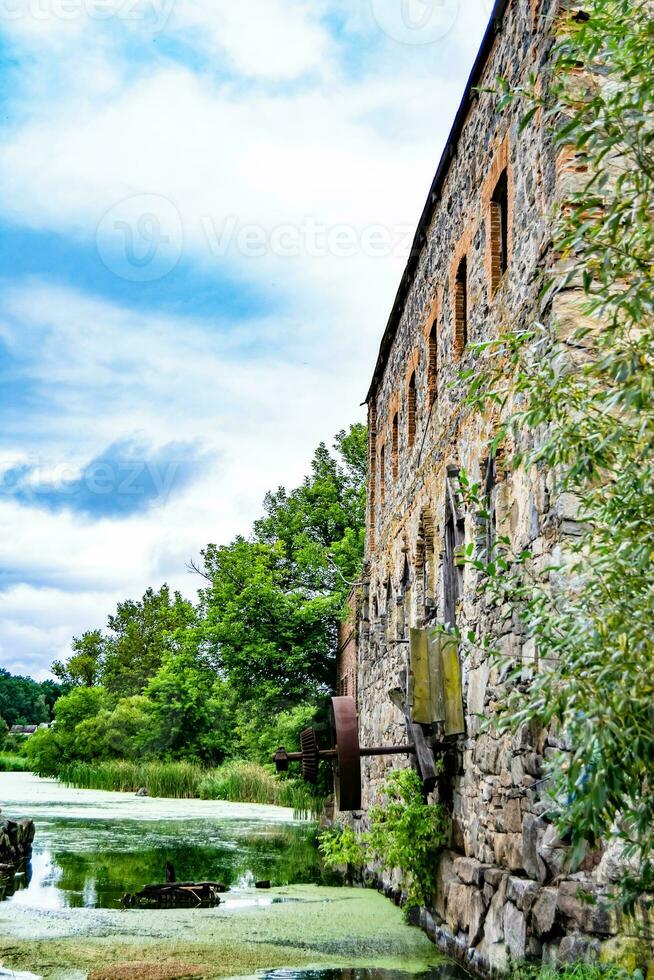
444 971
84 863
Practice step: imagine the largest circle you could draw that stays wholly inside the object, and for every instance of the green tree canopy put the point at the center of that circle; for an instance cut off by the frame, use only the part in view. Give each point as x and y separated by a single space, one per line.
85 666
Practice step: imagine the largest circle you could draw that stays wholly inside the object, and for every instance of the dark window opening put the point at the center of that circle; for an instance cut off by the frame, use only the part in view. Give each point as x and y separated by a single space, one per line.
389 599
406 576
500 230
382 475
396 446
490 518
461 306
411 410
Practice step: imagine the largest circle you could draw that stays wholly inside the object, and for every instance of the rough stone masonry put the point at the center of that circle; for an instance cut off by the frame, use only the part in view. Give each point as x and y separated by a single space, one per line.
505 890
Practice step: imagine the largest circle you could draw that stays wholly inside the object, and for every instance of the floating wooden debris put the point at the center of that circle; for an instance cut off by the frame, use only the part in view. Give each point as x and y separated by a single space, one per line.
177 895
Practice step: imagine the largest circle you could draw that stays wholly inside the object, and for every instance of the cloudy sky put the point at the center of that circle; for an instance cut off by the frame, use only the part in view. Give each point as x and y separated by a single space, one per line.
205 210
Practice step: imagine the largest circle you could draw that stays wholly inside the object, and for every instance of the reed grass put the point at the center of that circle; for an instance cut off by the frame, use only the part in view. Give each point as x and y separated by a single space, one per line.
12 762
249 782
235 781
173 780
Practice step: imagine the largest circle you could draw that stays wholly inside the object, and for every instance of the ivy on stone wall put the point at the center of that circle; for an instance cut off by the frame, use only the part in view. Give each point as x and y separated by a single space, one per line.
406 834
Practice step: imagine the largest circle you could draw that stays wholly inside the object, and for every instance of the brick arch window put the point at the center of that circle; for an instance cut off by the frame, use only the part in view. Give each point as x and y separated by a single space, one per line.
460 303
411 410
499 230
395 446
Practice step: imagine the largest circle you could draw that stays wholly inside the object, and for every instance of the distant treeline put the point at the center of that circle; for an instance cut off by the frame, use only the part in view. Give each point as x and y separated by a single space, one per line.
24 701
245 667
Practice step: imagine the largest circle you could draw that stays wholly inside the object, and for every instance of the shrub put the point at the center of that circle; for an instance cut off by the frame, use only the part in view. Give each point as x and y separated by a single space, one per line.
572 971
10 762
340 846
405 835
409 834
44 753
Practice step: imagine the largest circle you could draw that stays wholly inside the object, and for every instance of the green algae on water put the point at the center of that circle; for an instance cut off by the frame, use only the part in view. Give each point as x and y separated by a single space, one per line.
308 926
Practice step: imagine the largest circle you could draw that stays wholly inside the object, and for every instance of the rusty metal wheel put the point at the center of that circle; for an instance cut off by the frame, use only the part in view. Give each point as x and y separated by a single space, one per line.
347 768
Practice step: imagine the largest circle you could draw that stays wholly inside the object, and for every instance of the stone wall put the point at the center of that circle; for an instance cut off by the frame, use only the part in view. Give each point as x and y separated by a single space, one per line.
505 891
15 845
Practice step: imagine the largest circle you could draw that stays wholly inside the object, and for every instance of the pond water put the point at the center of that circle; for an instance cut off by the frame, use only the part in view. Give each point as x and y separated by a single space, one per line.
93 847
64 920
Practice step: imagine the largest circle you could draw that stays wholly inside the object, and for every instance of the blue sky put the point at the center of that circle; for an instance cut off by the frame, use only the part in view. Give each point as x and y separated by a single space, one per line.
205 210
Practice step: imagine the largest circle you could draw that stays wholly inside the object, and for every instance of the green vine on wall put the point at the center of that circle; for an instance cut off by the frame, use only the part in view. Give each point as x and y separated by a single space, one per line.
406 834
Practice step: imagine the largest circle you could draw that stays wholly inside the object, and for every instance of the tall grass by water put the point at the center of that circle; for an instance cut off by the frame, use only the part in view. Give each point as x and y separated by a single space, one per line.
12 762
238 782
248 782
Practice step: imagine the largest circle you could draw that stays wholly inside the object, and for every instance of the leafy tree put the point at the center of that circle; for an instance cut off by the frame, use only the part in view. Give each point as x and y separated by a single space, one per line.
121 733
186 710
273 642
85 666
51 692
139 635
583 404
78 705
48 750
269 619
321 524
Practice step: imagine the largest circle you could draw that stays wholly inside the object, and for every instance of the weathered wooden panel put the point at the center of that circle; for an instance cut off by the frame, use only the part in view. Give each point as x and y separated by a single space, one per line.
452 687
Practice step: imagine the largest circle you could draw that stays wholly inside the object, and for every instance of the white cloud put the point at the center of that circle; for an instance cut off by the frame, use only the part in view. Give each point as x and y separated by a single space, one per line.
259 419
267 39
283 123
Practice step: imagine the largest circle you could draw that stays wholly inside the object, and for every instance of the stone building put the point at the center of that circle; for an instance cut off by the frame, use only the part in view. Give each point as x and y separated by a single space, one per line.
483 240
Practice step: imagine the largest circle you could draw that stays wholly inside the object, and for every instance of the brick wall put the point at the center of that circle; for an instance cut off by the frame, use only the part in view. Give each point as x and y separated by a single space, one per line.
346 658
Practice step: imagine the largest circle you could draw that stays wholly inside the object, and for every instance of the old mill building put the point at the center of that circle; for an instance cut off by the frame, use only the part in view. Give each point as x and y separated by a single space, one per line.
483 241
